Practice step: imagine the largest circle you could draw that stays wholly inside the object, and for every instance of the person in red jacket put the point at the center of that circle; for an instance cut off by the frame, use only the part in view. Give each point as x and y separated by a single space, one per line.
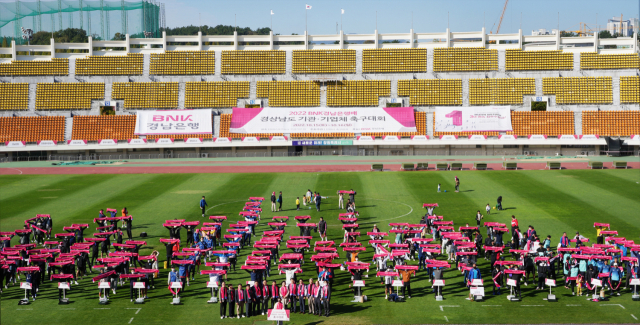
224 298
514 223
241 298
293 295
284 293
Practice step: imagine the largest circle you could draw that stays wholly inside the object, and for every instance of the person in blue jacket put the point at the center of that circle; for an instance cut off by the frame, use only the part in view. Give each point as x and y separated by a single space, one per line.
173 277
203 204
182 273
615 275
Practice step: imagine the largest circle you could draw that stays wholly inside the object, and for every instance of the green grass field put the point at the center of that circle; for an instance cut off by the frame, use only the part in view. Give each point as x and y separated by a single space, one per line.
552 201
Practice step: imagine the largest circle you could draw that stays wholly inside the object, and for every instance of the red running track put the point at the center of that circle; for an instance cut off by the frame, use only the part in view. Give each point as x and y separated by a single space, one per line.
254 169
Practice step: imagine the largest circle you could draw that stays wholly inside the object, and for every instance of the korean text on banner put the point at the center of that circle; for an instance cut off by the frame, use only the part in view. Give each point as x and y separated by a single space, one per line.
188 121
473 119
322 120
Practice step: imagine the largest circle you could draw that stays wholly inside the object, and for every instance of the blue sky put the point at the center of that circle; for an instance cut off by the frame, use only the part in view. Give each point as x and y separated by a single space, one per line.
395 16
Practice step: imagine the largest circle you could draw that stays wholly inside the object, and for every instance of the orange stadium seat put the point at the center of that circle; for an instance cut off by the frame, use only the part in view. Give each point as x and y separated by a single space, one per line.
611 123
94 128
32 128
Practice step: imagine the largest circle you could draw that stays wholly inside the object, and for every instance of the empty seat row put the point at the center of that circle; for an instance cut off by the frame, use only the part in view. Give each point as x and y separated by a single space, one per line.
542 122
253 62
431 92
592 61
14 96
183 63
32 128
611 123
94 128
290 93
146 94
579 90
215 93
500 91
68 96
464 59
129 65
630 90
519 60
394 60
55 67
357 92
324 61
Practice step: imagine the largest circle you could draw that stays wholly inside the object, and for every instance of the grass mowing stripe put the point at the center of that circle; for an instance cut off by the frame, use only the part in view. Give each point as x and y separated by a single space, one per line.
75 191
13 185
606 199
567 208
623 187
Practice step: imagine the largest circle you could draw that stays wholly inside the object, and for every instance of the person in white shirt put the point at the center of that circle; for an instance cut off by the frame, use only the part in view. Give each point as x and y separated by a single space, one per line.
290 274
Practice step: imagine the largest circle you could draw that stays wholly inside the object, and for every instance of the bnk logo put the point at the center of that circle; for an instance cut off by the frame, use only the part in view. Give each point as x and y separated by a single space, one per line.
169 118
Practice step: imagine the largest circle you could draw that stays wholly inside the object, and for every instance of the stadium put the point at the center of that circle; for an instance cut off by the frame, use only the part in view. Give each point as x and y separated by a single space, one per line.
405 144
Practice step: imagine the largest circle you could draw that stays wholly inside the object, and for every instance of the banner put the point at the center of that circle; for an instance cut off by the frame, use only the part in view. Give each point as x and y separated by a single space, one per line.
473 119
108 142
47 143
278 315
323 143
76 142
15 144
137 141
322 120
175 121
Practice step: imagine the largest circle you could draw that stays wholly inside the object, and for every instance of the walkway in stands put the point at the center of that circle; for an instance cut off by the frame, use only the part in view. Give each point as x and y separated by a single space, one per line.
291 164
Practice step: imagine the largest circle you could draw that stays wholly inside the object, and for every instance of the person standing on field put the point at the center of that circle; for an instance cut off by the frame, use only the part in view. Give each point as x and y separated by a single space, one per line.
340 200
318 201
280 201
352 198
457 184
203 204
273 202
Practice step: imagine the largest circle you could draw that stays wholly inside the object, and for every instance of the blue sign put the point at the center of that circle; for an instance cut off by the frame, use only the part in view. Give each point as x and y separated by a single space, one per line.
323 143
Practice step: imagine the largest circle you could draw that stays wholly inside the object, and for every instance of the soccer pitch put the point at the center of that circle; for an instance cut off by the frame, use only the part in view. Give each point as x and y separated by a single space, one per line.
552 201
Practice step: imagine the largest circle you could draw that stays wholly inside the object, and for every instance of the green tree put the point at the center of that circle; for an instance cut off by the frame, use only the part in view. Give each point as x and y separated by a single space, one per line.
119 37
605 34
4 42
567 34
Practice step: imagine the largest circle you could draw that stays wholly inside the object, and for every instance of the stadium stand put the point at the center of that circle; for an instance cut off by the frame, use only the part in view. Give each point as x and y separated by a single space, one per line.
394 60
253 62
611 123
146 94
630 90
357 92
215 93
542 122
290 93
129 65
94 128
67 95
183 63
431 92
592 61
55 67
519 60
500 91
324 61
579 90
464 59
32 128
14 96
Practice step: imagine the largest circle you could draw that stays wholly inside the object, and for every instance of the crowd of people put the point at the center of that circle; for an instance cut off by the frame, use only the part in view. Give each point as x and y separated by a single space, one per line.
406 250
